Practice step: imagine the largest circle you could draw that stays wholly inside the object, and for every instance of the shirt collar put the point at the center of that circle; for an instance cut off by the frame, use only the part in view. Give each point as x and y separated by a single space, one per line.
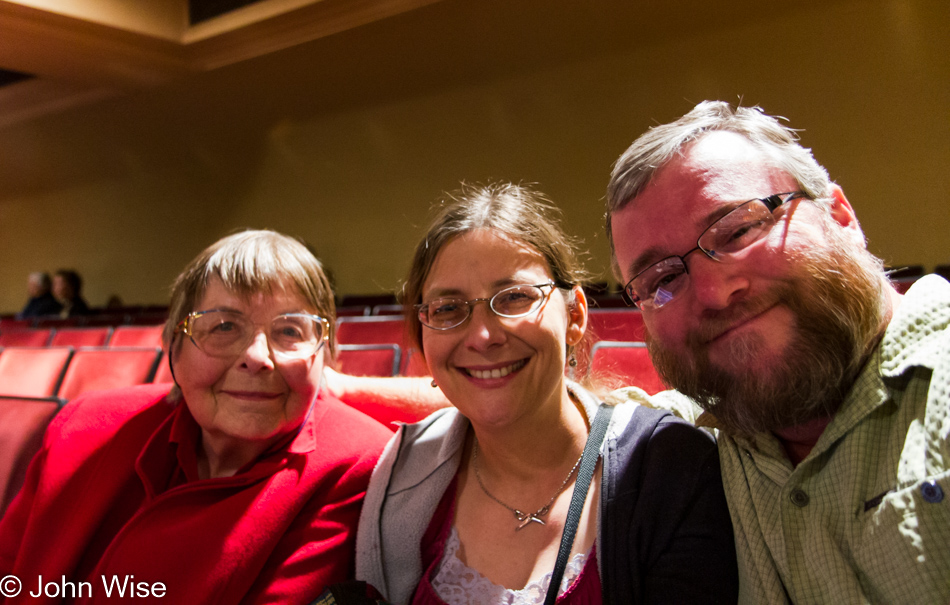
913 336
173 448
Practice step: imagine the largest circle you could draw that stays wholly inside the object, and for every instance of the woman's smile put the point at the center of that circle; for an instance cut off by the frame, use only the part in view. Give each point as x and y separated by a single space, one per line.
494 371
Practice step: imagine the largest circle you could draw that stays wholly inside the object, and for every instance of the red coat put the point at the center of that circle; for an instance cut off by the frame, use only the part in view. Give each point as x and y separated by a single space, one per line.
114 492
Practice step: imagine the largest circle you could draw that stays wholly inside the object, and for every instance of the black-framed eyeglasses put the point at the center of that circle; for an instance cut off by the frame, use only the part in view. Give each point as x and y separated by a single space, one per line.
743 226
223 333
516 301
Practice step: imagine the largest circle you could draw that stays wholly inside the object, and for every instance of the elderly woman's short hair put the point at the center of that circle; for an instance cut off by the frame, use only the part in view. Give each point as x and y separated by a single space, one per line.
249 262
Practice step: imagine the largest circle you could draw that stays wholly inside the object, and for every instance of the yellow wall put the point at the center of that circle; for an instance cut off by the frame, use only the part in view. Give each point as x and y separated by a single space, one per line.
129 190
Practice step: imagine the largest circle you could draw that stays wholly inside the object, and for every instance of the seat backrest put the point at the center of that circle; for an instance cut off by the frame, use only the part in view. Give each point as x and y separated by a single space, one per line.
33 371
33 337
618 364
355 311
414 364
387 310
12 323
136 336
619 325
23 422
99 368
55 322
370 330
369 360
164 372
81 337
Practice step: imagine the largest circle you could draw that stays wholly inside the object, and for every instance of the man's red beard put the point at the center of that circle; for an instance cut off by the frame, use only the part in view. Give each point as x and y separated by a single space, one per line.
838 303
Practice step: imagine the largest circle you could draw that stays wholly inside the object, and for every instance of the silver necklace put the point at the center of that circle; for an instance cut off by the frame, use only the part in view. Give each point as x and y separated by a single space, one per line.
524 519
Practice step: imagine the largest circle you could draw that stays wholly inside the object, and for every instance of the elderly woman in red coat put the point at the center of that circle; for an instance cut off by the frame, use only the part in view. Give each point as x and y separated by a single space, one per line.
241 484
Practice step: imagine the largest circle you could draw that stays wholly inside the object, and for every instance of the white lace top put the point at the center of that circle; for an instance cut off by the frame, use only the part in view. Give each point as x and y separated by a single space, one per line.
458 584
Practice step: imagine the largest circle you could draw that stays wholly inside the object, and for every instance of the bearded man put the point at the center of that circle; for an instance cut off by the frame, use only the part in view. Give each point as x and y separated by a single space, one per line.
829 390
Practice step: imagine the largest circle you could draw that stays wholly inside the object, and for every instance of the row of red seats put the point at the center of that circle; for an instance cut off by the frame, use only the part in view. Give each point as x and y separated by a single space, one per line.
375 345
119 336
65 372
602 324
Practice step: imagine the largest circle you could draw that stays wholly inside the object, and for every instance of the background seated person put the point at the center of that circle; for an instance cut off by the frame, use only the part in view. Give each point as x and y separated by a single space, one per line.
67 288
41 302
243 484
469 504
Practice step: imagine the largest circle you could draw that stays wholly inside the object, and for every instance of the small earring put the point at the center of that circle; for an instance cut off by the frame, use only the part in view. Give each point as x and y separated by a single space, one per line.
434 384
573 361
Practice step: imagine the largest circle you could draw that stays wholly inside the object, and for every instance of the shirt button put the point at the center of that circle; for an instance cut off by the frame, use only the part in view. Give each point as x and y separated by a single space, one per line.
932 492
799 498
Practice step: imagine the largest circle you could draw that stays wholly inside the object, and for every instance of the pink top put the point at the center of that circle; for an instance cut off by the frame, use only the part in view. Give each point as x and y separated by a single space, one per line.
438 550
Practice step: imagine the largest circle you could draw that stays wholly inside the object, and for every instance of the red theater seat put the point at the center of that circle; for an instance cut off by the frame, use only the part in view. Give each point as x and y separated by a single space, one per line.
164 372
414 364
356 311
137 336
81 337
369 360
33 372
33 337
52 321
618 364
619 325
11 323
96 369
387 310
370 330
23 422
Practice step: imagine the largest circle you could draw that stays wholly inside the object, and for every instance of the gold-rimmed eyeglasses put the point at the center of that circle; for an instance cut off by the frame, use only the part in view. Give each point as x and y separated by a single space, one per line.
223 333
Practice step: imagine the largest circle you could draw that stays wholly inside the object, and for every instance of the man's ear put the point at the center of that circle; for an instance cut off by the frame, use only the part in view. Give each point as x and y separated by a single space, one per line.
841 210
577 311
843 214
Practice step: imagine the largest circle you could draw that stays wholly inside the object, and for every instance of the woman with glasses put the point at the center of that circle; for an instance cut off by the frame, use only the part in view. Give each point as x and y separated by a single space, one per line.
470 504
242 483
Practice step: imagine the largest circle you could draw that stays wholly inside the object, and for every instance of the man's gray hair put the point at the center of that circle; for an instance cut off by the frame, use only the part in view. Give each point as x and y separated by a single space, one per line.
41 279
634 170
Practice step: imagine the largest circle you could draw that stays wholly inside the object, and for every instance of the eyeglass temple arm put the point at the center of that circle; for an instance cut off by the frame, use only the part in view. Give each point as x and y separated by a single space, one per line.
774 201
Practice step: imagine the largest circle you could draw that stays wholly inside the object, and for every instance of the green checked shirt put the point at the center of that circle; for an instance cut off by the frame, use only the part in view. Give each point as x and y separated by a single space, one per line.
865 518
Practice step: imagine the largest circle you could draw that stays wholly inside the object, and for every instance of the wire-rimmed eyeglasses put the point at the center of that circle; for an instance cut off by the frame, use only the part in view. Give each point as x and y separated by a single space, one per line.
223 333
743 226
516 301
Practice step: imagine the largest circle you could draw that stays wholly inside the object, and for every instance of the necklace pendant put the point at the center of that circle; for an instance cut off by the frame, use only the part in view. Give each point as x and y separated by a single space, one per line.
527 520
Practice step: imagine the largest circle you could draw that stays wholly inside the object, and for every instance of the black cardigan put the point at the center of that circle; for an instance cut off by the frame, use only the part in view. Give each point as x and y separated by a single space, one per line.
642 521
